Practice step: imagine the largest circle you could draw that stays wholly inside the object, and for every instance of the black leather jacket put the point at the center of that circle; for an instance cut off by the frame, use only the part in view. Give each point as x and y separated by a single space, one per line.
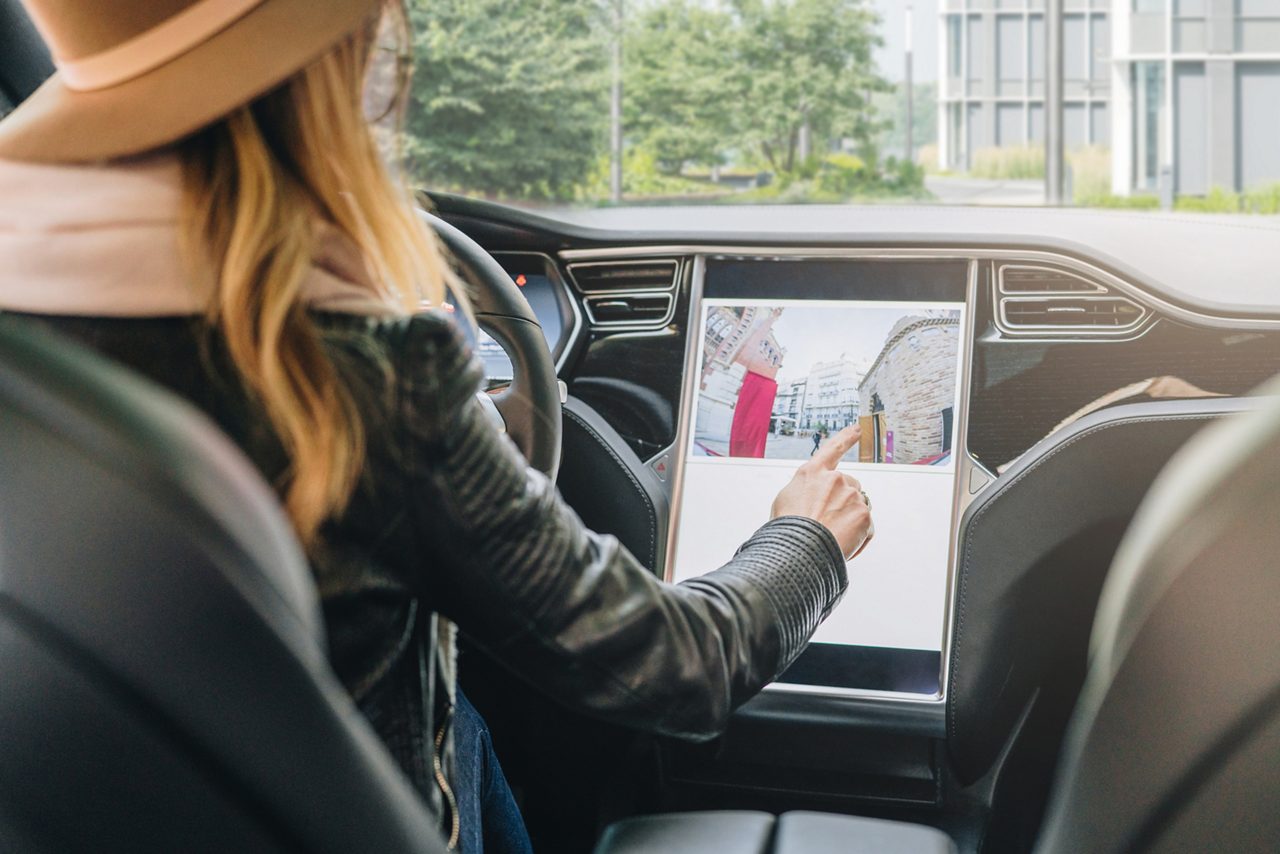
449 520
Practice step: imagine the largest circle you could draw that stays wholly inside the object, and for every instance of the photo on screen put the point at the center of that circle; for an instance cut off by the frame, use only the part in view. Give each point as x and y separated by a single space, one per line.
777 378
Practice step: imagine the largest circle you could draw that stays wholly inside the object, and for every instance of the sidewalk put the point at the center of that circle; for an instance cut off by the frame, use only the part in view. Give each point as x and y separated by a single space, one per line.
775 448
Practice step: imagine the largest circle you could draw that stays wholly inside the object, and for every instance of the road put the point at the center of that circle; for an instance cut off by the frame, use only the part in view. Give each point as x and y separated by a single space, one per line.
984 191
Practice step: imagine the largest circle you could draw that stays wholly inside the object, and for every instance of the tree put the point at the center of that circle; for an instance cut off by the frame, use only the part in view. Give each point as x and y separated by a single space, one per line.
682 83
924 103
807 74
509 96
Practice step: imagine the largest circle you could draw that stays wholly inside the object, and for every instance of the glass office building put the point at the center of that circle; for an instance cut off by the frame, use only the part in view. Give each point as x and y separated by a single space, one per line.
991 70
1200 82
1183 92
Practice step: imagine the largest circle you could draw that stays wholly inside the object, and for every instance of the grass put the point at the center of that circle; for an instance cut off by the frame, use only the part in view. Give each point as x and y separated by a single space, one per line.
1008 163
1090 170
1263 199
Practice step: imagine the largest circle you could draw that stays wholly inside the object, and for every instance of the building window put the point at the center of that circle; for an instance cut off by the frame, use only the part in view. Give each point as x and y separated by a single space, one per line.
1148 118
1150 7
1100 38
1257 26
976 49
1035 52
955 47
1075 54
1191 128
1258 8
1009 54
1257 94
956 120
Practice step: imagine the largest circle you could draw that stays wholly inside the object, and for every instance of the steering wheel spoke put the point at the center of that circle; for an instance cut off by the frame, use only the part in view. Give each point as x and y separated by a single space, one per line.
528 409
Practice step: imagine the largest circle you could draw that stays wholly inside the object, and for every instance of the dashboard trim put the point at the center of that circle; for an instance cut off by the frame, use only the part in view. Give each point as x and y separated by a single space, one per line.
959 251
670 292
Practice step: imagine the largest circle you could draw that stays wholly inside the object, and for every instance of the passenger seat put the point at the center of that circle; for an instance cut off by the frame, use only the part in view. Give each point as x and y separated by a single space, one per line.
1174 744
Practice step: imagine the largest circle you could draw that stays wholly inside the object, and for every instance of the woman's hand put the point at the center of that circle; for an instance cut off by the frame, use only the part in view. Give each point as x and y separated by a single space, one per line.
832 498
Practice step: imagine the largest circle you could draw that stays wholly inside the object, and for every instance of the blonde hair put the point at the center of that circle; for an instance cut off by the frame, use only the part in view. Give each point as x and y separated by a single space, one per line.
258 187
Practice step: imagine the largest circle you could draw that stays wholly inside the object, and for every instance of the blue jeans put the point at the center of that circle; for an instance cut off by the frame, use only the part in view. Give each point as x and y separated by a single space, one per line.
490 820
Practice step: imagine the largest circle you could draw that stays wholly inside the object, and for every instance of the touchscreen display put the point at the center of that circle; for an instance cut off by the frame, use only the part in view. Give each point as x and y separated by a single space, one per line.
773 378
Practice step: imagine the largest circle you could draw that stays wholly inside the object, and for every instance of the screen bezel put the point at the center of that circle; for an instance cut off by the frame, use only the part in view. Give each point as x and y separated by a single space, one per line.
959 442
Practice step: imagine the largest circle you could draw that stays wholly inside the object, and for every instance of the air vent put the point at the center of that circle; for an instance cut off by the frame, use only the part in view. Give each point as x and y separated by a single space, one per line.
1100 314
612 276
1026 279
1049 302
629 309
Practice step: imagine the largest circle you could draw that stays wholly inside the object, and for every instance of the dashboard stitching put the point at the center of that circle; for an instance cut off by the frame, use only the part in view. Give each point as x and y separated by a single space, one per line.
973 525
653 520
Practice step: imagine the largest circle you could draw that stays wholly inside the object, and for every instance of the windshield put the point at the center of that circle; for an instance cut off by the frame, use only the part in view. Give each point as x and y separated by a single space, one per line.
599 102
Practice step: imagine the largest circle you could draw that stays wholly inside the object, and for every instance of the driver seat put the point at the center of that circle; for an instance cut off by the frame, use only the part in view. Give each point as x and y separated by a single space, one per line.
162 659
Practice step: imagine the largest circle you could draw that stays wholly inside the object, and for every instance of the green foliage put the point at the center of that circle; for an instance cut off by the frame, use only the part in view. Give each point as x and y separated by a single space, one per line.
749 77
841 178
1090 172
840 175
643 178
509 96
1217 200
1008 162
1141 201
680 84
892 105
805 65
927 159
1264 199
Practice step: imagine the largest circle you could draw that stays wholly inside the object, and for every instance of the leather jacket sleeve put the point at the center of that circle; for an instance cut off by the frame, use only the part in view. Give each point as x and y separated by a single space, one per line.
571 611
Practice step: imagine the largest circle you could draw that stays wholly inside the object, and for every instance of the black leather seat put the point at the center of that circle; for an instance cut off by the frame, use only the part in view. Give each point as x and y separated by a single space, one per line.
1174 744
163 680
745 832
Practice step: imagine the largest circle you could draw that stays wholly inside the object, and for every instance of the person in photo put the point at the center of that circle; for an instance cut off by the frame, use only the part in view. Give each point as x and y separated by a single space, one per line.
750 428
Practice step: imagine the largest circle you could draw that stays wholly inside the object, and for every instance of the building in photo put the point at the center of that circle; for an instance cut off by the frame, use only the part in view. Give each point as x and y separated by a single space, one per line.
991 76
788 406
721 378
907 398
1182 92
831 398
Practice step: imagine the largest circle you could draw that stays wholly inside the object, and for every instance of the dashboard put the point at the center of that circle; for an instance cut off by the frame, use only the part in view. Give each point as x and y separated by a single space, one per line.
1070 354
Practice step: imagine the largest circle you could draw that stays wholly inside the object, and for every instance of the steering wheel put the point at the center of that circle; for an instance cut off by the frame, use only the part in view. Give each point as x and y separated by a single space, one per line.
530 405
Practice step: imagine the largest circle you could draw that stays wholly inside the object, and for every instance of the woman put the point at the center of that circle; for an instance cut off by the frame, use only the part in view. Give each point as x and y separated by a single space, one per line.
197 194
749 430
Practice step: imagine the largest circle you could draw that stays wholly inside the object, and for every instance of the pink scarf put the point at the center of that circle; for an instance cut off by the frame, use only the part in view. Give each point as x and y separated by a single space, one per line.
102 240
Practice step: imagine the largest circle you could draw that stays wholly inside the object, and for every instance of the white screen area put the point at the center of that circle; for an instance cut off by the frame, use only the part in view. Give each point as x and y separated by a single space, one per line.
768 376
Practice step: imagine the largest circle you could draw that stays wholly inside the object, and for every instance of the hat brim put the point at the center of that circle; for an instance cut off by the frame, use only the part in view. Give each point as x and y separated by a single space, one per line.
250 57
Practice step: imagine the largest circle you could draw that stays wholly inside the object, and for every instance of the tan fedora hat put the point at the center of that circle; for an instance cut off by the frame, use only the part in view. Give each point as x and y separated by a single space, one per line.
134 75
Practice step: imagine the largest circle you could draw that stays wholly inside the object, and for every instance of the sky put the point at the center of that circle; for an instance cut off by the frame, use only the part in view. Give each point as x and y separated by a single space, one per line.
856 332
893 30
812 335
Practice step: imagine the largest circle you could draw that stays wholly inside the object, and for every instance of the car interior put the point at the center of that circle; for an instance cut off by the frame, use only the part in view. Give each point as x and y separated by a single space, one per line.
1088 581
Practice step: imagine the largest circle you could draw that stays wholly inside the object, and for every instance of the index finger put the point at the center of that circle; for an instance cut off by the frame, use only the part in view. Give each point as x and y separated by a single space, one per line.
836 447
